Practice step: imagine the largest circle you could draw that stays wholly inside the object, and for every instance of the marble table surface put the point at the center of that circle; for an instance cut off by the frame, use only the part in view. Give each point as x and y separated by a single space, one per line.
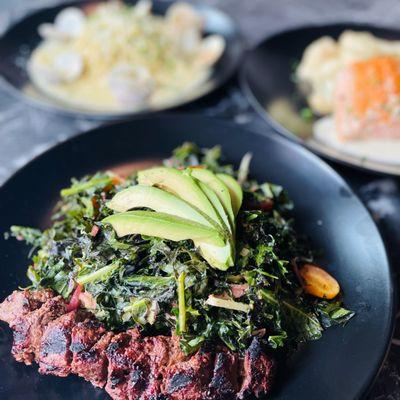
26 132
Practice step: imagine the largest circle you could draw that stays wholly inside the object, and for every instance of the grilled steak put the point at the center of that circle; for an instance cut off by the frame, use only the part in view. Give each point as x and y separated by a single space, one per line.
28 329
55 354
22 302
89 340
258 372
158 352
189 379
224 382
129 365
120 361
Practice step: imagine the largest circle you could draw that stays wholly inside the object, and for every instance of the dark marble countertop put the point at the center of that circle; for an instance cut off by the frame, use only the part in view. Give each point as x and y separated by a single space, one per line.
26 132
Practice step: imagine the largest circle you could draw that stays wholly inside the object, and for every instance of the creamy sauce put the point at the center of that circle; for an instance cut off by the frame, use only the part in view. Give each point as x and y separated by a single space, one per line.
385 151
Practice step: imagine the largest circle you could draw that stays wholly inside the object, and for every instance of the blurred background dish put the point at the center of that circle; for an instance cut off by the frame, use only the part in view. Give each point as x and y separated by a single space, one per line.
76 58
334 88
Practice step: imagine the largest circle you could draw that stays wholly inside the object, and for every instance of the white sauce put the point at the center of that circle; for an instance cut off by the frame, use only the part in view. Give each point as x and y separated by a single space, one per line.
385 151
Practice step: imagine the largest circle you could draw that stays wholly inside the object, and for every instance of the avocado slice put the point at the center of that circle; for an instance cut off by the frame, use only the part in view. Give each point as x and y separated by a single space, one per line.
180 185
235 191
164 226
220 189
219 257
214 200
156 199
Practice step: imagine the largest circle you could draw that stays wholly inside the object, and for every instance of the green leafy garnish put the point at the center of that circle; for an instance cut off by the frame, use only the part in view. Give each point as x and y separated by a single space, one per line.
166 286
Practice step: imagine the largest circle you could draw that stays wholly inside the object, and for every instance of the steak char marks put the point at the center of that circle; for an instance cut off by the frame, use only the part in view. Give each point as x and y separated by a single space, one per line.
55 354
28 329
129 365
89 341
258 372
189 379
225 379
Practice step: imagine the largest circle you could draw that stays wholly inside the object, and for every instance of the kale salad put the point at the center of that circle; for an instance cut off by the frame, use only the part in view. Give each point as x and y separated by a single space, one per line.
193 247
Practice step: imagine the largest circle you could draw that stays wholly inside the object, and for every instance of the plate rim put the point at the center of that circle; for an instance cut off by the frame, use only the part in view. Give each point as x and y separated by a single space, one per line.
50 105
375 168
330 171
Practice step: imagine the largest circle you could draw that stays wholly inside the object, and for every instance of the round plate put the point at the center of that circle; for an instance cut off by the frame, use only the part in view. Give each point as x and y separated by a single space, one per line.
267 75
341 365
22 38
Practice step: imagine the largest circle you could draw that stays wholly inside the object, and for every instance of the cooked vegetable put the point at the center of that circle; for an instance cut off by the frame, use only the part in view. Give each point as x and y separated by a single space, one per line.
318 282
228 304
144 279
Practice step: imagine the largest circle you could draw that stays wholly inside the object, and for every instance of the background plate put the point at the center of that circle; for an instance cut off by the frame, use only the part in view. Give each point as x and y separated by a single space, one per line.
22 38
267 74
339 366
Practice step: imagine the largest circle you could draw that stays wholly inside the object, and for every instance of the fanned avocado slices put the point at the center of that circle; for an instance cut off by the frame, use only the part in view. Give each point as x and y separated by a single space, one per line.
181 185
214 200
140 196
164 226
193 204
220 189
235 191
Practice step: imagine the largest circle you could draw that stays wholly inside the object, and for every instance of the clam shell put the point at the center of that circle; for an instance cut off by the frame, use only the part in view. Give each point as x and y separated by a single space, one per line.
70 21
142 8
69 66
131 86
211 49
182 16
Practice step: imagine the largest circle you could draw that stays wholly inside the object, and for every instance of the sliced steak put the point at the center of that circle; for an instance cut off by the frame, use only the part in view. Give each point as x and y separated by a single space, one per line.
157 351
139 352
22 302
131 367
89 341
258 372
120 364
225 379
55 355
189 379
28 329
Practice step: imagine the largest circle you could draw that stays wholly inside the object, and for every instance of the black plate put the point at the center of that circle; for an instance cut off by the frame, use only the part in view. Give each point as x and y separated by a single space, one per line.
341 365
267 74
22 38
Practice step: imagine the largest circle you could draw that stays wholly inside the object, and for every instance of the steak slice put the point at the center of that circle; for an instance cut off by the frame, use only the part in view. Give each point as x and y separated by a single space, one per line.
224 383
120 362
258 372
89 340
189 379
28 329
55 354
157 357
22 302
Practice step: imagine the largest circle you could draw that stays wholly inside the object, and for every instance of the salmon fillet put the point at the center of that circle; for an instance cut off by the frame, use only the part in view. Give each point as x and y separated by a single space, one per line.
367 100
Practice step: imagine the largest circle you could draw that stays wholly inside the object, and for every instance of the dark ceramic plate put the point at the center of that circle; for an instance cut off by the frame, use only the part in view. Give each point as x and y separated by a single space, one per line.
267 75
341 365
22 38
